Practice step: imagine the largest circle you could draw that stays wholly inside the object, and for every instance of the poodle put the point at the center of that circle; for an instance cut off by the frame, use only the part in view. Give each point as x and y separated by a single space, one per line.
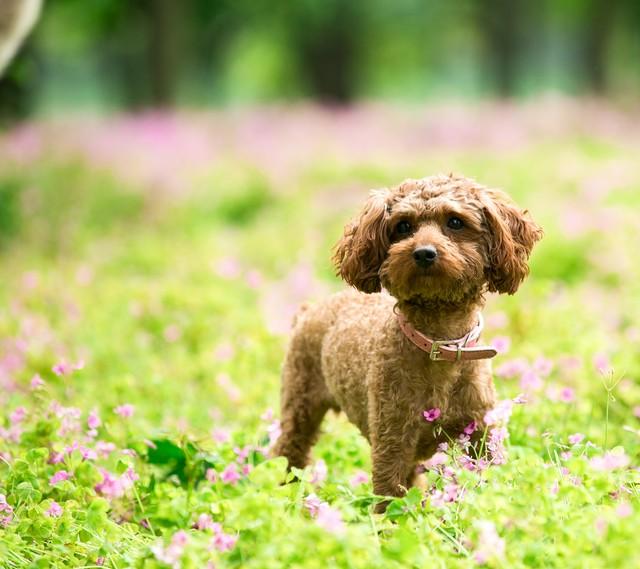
421 257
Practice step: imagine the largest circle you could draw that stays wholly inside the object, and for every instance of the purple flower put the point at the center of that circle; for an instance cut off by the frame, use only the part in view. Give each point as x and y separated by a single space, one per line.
431 415
471 428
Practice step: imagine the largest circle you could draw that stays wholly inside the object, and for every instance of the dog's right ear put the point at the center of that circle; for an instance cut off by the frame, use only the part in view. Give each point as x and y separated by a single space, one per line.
363 247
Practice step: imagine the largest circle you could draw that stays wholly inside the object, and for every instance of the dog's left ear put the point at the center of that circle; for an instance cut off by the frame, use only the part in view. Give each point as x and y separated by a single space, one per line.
363 247
512 236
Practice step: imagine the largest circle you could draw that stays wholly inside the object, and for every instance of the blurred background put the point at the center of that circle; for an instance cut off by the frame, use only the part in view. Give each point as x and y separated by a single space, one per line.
191 164
106 55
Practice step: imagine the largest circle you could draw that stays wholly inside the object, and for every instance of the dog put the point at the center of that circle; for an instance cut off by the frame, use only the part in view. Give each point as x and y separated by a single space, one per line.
421 256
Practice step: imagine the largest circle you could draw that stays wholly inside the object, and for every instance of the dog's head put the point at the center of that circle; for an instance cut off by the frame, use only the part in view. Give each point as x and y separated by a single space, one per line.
440 238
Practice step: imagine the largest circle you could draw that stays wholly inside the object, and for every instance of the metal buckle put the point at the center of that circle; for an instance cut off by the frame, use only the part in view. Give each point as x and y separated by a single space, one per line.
435 352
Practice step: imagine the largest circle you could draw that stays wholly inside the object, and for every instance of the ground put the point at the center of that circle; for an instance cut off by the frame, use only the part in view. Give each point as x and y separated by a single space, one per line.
149 269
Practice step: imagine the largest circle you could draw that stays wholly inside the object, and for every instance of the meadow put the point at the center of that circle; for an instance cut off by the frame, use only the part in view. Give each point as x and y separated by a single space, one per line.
149 269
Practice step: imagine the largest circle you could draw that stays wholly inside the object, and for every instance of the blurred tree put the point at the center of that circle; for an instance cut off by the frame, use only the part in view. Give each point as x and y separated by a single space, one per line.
325 36
599 16
500 23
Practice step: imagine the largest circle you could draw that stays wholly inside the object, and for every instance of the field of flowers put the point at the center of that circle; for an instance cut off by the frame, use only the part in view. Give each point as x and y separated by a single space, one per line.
149 268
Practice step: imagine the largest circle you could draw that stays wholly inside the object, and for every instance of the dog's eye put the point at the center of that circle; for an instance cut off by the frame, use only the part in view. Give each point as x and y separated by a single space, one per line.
403 228
455 223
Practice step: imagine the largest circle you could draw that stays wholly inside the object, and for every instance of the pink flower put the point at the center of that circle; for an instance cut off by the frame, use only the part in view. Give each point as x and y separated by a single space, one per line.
254 279
18 415
602 363
125 411
490 545
610 461
312 503
59 477
220 435
497 320
360 477
64 368
54 511
228 268
449 494
530 381
576 438
495 444
104 449
230 474
431 415
471 428
172 333
171 554
542 366
500 413
330 519
319 472
211 475
567 395
203 522
36 382
6 511
512 368
93 421
223 541
224 352
501 344
636 411
437 459
624 510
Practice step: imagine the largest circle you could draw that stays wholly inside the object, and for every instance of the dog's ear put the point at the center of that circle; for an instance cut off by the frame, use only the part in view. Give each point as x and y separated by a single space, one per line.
363 247
512 235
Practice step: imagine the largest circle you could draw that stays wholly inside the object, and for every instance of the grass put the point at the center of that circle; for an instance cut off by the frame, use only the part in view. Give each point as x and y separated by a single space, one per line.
173 280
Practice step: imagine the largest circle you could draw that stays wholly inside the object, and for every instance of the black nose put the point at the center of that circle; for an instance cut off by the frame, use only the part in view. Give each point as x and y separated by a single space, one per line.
425 256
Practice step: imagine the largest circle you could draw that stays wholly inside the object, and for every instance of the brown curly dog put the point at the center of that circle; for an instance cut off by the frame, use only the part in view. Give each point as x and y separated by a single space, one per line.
436 245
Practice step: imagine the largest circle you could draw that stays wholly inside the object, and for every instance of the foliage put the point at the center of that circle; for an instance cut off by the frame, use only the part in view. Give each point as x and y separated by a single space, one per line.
146 287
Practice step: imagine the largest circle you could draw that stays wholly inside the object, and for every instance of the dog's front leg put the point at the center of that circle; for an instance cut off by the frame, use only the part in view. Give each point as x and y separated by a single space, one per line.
394 438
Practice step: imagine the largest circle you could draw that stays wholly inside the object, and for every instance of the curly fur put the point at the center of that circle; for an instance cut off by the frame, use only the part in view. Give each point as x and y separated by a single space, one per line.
348 352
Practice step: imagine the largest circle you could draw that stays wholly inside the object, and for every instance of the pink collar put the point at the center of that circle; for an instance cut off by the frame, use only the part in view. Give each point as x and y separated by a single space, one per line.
449 350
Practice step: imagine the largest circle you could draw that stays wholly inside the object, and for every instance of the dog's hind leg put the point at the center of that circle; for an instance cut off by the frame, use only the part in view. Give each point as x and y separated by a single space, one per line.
304 403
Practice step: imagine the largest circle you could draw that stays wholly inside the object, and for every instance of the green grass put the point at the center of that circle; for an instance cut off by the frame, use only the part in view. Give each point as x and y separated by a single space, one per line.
175 302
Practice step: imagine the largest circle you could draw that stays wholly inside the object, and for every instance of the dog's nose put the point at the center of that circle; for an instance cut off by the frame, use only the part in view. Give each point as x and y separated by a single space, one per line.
425 256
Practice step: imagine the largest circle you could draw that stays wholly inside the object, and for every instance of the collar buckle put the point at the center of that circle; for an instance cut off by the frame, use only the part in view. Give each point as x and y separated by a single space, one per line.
434 353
